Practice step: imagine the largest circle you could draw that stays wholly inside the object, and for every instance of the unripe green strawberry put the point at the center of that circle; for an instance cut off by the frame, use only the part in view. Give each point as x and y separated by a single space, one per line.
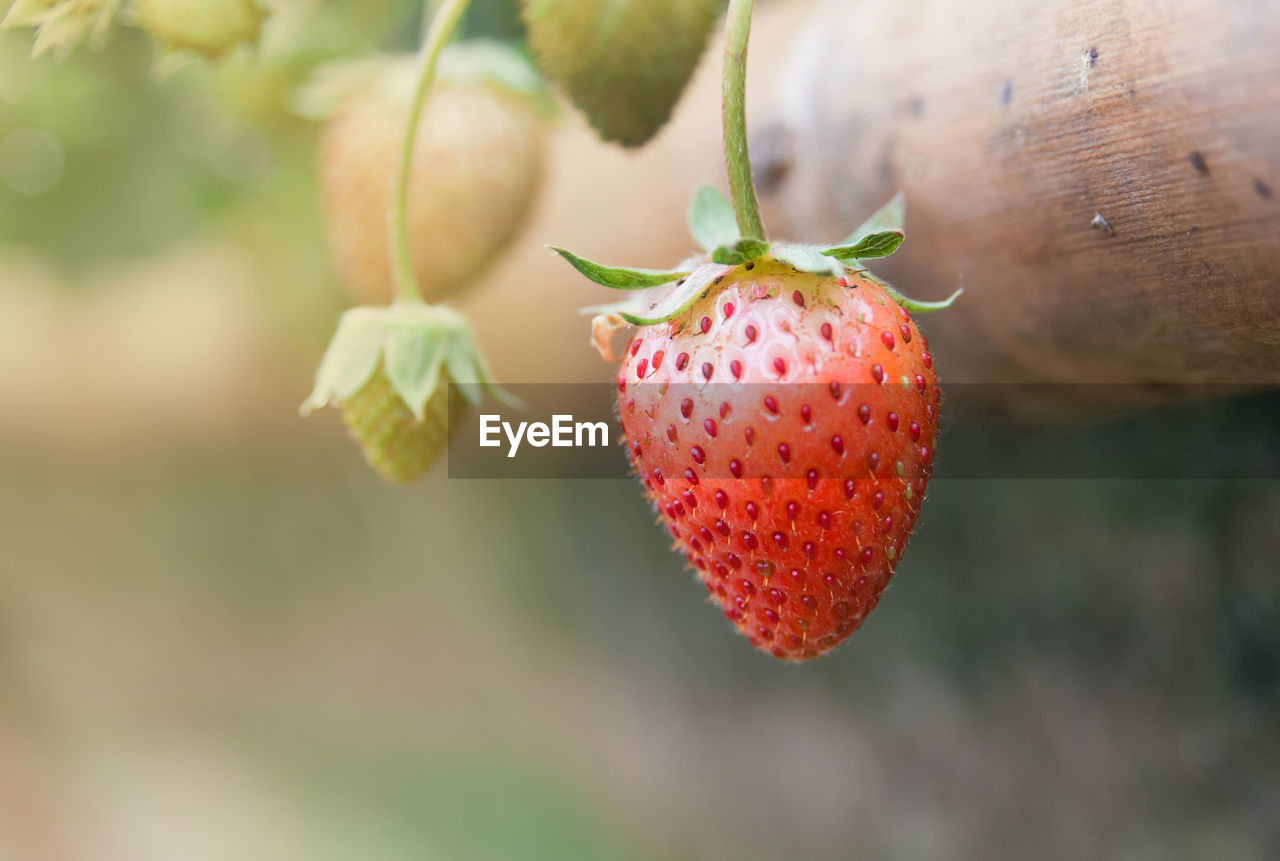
210 28
477 166
624 63
402 376
394 441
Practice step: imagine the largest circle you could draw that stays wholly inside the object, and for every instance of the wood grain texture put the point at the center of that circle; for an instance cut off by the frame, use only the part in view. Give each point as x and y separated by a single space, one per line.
1011 127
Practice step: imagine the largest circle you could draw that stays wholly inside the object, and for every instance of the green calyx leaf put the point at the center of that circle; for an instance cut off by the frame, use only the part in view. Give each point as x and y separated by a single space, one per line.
742 251
60 25
618 278
712 222
915 306
420 348
806 258
890 217
24 13
879 244
350 360
412 355
658 306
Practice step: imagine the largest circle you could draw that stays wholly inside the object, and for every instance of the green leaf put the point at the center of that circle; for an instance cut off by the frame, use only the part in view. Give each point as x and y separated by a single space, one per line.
711 219
24 13
891 216
677 300
742 251
412 357
490 384
462 367
806 258
880 244
915 306
351 358
618 279
469 372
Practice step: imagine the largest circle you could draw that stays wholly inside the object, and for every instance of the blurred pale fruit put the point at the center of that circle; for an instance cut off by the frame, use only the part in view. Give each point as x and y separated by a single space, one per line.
476 169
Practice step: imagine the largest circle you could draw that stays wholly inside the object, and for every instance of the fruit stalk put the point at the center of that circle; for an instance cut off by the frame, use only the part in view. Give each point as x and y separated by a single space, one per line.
742 189
442 26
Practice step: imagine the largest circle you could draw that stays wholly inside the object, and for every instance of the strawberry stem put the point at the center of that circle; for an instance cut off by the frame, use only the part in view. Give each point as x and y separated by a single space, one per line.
741 187
442 26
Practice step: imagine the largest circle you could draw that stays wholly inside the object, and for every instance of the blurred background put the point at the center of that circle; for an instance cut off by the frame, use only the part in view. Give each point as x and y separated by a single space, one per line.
222 637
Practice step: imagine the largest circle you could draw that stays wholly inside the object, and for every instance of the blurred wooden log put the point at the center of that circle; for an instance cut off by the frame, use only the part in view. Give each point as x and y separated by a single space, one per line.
1102 177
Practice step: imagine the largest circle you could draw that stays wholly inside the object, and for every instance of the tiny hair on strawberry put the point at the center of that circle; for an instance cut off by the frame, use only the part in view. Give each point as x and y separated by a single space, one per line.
778 403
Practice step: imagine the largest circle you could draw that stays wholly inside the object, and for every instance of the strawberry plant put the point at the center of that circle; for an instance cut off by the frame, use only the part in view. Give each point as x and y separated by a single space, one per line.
779 403
390 368
779 406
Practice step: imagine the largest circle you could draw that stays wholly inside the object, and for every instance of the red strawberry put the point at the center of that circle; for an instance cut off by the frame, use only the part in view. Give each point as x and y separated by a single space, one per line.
781 408
829 415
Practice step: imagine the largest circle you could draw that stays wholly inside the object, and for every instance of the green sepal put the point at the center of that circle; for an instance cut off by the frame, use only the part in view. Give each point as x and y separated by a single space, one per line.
412 357
915 306
658 306
419 347
617 278
742 251
23 13
680 298
350 360
892 216
469 370
712 222
806 258
879 244
60 26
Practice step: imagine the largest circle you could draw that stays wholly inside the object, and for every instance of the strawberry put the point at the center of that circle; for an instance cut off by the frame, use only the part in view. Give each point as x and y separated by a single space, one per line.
624 63
210 28
477 164
793 491
780 407
397 444
403 376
